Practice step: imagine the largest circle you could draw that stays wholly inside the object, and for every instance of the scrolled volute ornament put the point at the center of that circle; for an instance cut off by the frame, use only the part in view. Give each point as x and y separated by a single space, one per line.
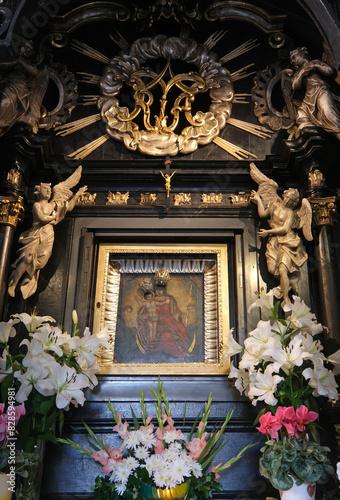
160 135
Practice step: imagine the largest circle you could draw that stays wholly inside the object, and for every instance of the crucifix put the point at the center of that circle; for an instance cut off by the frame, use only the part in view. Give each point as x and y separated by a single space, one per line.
167 176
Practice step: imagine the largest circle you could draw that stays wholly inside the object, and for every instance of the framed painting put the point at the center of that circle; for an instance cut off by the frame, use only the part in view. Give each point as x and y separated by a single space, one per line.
166 308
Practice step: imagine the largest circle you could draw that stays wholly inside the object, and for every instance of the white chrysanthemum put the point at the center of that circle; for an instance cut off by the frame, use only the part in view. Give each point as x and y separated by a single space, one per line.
121 472
161 478
132 463
133 440
141 452
197 470
120 488
170 436
178 470
147 439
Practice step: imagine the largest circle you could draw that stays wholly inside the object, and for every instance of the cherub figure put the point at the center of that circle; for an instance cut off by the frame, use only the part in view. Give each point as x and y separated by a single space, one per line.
285 253
37 242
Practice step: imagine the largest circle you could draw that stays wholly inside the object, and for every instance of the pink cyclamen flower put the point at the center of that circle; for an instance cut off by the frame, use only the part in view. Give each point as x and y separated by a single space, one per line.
269 424
304 417
287 417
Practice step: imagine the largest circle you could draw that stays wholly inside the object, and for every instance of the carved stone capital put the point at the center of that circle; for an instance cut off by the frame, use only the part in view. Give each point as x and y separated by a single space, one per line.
11 210
324 211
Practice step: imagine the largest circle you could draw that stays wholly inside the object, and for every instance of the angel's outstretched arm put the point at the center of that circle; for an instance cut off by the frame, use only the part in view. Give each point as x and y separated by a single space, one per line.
263 212
71 203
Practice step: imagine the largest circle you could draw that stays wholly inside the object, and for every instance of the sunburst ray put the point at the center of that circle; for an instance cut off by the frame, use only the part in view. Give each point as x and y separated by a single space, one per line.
214 38
84 151
251 128
70 128
85 49
241 73
232 149
241 98
241 49
88 78
119 40
87 99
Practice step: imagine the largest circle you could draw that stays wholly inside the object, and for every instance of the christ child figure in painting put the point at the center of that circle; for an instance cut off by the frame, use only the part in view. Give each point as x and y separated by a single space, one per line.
149 311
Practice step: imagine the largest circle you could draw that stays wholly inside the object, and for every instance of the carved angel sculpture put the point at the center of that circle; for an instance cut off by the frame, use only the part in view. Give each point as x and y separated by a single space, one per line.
318 107
285 253
22 88
37 242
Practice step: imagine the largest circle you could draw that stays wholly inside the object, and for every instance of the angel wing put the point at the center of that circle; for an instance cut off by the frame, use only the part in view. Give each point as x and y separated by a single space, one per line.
267 187
62 191
304 219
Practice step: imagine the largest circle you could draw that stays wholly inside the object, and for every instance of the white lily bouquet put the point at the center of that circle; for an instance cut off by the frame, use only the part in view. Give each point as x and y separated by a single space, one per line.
282 361
49 376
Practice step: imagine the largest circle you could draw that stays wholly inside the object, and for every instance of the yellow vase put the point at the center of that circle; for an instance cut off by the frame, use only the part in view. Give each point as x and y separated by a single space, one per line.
178 493
5 493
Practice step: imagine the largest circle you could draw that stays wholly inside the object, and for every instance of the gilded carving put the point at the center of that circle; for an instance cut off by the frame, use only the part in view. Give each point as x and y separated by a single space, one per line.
148 199
324 211
316 179
13 177
212 198
37 242
161 137
11 210
167 179
117 198
182 199
241 199
285 253
87 199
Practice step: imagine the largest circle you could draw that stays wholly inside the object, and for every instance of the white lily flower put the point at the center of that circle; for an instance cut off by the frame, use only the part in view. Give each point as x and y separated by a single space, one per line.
258 338
66 383
3 362
90 372
264 386
301 316
51 338
33 322
7 330
242 378
29 379
322 380
287 357
231 347
35 353
335 360
266 301
87 346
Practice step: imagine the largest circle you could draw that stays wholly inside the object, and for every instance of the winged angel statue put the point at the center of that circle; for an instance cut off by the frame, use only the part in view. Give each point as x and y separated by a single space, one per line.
37 242
285 253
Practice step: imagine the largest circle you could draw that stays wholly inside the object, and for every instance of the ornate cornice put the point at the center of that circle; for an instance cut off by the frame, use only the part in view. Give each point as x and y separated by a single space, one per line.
11 210
324 211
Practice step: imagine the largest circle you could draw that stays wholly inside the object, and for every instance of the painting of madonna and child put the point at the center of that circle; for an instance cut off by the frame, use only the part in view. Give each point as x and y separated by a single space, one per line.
160 318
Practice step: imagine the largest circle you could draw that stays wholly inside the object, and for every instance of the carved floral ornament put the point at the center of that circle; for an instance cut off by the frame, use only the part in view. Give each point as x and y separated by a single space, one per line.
11 210
158 136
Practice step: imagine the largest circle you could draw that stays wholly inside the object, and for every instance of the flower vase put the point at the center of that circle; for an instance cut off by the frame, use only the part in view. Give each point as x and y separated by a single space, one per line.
304 492
178 493
5 493
28 488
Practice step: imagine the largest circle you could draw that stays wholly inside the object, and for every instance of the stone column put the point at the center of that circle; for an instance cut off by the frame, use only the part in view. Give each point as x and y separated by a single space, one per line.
324 218
11 211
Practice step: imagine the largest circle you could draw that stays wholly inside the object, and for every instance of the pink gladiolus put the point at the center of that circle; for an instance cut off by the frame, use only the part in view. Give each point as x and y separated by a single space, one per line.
213 469
158 448
100 456
200 426
109 466
269 425
148 420
196 446
121 428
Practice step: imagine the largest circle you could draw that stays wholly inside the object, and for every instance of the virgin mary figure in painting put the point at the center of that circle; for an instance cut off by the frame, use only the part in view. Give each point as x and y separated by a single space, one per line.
161 324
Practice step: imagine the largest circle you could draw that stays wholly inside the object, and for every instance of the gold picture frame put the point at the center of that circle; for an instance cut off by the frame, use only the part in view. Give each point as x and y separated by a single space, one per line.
166 308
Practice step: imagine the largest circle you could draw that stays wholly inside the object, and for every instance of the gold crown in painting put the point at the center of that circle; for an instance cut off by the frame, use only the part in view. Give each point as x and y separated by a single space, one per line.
161 277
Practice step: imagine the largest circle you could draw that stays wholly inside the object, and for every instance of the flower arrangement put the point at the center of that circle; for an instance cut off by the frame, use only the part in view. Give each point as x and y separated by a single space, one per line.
288 454
162 457
50 376
283 366
8 422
